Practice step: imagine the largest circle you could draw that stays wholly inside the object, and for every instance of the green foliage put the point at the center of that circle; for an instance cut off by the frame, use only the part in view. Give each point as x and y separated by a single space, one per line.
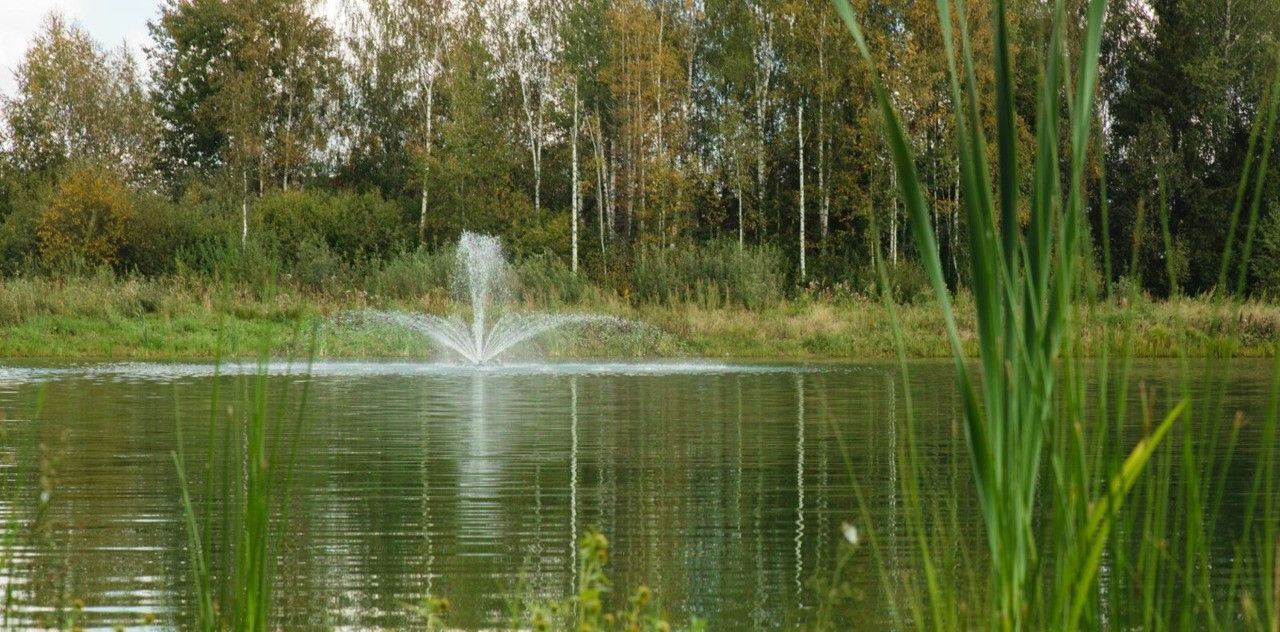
318 267
351 226
412 275
711 275
21 203
905 282
1266 265
248 84
75 102
547 280
85 220
1184 85
1054 465
588 609
160 231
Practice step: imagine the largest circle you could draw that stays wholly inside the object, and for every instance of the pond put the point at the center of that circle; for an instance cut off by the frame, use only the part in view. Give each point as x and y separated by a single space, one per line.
724 487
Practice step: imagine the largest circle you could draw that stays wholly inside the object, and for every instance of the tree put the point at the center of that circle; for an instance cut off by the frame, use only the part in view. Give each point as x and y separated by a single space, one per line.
585 36
86 219
248 85
1181 93
396 50
526 38
77 103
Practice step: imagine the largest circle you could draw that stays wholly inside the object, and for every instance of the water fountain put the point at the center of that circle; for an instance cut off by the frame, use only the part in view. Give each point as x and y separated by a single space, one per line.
483 278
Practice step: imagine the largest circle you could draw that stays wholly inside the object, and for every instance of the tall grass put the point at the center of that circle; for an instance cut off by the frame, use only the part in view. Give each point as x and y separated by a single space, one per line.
233 565
1054 473
713 275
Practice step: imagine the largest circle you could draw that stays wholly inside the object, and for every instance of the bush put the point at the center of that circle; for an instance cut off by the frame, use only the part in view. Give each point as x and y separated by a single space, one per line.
713 274
227 260
18 244
908 282
547 280
161 231
85 220
1266 263
354 226
412 275
318 267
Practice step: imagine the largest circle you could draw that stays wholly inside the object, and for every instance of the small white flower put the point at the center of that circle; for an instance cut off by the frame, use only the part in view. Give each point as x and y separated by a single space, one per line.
850 533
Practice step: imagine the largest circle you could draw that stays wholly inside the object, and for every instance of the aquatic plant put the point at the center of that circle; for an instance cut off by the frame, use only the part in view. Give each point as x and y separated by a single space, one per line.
1051 479
233 573
587 609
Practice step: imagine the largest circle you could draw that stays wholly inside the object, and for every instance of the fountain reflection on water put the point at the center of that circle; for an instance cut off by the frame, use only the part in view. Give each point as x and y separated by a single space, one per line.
483 278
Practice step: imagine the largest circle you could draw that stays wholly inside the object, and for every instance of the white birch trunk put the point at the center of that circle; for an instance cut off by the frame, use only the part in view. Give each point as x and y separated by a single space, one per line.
574 191
422 213
800 138
598 146
244 209
893 217
742 230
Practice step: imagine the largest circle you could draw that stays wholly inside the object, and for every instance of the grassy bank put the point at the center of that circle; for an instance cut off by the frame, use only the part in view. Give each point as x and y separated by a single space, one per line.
105 316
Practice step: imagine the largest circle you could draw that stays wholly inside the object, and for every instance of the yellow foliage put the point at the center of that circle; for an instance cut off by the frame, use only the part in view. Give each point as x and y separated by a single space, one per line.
85 218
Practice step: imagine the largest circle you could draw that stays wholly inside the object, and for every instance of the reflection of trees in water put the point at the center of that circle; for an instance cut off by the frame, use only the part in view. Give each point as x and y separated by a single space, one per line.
712 490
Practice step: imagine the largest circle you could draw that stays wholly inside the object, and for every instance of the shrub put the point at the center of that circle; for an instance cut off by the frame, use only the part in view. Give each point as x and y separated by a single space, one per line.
85 220
711 274
227 260
908 282
1266 264
412 275
318 267
18 244
161 230
367 226
547 280
355 226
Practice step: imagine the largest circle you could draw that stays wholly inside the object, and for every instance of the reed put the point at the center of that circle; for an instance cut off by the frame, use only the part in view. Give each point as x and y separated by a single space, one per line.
1064 482
247 486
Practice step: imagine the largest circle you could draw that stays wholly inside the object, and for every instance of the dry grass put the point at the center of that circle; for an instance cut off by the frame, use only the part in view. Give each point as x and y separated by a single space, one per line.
131 317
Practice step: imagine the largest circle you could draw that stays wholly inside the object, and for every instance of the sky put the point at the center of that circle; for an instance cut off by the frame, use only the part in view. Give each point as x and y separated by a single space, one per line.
110 22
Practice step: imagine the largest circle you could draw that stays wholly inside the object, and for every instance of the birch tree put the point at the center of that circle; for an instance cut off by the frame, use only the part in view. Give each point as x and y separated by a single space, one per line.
76 101
528 45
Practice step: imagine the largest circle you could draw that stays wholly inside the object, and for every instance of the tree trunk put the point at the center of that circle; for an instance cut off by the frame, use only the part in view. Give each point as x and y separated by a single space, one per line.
288 140
662 25
824 209
893 217
533 127
823 198
244 208
426 165
597 141
742 230
955 221
760 165
611 183
800 138
574 190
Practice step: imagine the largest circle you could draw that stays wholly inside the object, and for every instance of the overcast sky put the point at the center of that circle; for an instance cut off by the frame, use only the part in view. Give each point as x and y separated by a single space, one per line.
110 22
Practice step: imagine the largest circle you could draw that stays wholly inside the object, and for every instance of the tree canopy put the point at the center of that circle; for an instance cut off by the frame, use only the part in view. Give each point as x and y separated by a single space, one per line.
660 123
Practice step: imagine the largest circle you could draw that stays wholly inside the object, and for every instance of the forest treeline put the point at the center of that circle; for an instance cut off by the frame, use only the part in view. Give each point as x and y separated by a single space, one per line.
602 131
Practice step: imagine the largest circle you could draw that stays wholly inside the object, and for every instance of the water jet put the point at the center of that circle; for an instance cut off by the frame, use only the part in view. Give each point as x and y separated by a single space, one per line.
483 278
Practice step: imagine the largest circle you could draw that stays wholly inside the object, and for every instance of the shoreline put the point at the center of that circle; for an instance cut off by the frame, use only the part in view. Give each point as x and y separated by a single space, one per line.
171 319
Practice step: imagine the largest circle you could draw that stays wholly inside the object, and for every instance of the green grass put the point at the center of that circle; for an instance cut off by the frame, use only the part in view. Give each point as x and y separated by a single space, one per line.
107 317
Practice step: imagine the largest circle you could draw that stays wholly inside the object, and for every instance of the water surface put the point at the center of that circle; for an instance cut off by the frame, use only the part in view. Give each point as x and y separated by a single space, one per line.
722 486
